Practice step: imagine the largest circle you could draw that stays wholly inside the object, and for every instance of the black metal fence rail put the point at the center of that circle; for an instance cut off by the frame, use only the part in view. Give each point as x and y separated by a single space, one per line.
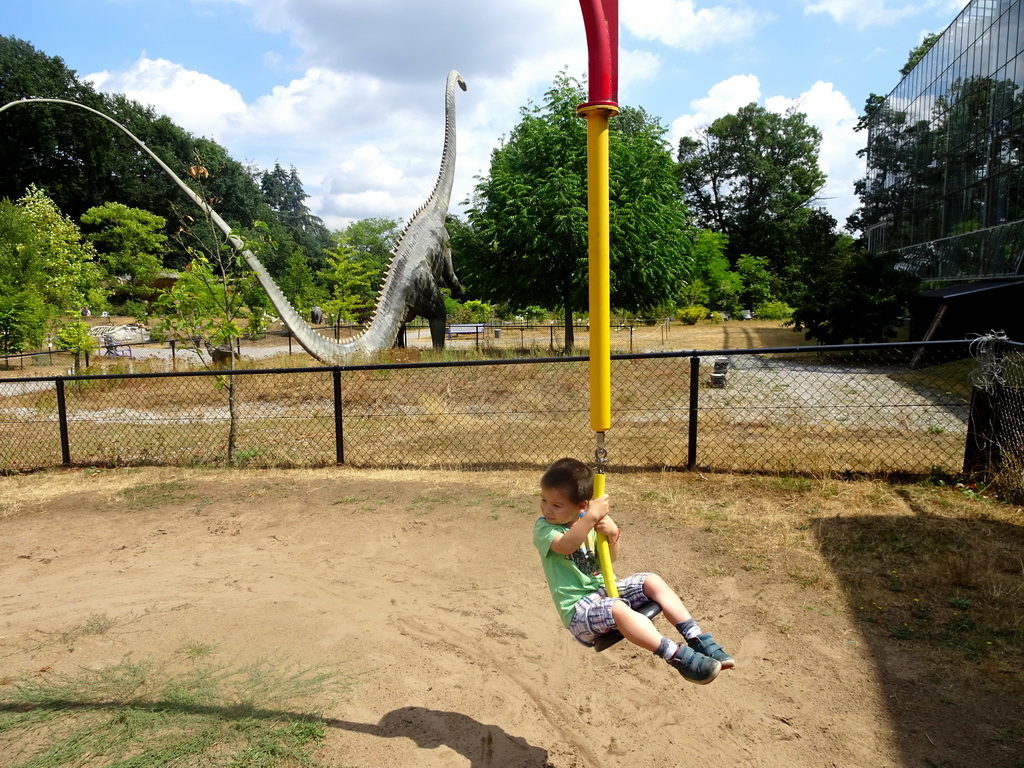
506 335
874 409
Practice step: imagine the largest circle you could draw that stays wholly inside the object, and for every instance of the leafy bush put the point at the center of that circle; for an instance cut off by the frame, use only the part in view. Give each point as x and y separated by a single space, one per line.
474 311
773 310
691 315
75 338
535 314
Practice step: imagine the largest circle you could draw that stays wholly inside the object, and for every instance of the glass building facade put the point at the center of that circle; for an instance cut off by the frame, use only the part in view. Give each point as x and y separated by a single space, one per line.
945 157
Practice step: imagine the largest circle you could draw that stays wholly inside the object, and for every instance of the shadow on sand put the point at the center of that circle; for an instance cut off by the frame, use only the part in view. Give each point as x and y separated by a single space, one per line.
485 746
941 605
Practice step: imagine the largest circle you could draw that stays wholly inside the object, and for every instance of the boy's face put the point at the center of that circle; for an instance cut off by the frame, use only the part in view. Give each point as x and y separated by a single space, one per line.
558 508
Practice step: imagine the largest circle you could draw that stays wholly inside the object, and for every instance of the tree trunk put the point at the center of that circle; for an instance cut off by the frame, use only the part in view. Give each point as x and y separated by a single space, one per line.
232 416
570 339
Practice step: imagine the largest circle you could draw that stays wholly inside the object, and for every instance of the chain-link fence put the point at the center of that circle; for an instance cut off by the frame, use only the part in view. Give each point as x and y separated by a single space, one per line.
874 409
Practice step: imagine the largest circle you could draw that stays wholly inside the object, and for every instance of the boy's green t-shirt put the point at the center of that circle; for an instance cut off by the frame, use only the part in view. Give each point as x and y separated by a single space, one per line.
570 577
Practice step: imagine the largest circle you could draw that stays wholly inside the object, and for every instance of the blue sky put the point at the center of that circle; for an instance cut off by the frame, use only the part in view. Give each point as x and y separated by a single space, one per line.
350 92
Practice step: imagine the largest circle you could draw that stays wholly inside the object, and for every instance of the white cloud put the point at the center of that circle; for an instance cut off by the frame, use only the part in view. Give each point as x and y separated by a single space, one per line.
197 102
336 129
398 39
723 98
868 13
680 24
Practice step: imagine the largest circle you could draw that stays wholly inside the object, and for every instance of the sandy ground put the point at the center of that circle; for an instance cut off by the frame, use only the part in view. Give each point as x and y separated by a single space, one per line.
423 589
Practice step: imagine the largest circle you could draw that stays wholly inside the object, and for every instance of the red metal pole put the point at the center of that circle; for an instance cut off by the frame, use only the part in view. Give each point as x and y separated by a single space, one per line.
601 20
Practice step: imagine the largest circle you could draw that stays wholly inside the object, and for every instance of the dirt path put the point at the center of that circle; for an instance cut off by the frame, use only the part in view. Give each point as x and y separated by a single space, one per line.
423 589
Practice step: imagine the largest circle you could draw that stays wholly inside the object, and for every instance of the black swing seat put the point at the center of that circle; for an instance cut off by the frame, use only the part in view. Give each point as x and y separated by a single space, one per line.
650 609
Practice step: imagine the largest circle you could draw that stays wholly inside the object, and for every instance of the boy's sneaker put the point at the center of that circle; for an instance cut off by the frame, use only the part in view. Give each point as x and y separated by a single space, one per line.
706 645
695 667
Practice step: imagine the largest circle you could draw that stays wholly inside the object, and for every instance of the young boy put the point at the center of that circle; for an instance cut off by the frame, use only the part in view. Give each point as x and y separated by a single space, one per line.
570 567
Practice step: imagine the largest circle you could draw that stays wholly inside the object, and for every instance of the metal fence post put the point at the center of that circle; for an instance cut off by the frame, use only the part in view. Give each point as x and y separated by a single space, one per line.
62 420
339 435
691 448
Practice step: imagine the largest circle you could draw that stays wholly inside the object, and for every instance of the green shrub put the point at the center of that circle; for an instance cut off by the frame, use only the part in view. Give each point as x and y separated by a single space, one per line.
473 311
535 314
691 315
773 310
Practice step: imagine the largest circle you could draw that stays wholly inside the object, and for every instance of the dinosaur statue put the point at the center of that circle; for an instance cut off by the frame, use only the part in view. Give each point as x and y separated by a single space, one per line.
420 264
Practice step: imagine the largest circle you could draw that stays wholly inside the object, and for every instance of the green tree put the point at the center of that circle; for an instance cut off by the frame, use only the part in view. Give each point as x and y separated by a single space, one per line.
752 176
712 284
300 285
349 281
23 313
527 239
130 242
757 280
73 279
23 319
74 337
284 194
853 296
373 240
214 294
473 311
67 157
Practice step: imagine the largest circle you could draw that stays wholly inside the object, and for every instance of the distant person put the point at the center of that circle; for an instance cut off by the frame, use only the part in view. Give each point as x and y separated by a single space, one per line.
86 312
564 536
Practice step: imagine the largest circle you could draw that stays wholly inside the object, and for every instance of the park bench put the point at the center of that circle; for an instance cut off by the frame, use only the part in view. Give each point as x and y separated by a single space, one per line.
461 329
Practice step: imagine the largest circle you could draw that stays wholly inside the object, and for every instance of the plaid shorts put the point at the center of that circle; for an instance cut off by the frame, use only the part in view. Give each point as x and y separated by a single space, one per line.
593 615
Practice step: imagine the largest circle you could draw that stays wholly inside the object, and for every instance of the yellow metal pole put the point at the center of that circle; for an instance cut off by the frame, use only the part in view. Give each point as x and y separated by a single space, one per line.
598 233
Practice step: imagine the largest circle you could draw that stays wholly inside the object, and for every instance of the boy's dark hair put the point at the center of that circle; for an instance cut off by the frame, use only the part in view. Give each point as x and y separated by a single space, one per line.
572 477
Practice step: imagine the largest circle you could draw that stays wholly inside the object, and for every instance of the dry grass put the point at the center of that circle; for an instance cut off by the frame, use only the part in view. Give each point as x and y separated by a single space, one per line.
492 415
935 569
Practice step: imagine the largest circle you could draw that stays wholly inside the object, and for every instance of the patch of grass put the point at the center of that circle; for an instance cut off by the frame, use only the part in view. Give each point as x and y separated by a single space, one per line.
427 502
136 714
791 483
97 624
195 649
943 573
140 497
